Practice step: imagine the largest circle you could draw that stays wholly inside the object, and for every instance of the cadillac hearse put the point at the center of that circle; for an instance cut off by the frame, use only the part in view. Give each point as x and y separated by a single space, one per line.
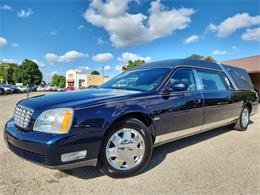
116 126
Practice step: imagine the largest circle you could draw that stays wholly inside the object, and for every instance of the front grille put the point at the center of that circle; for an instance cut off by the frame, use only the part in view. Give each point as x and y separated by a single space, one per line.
27 154
22 117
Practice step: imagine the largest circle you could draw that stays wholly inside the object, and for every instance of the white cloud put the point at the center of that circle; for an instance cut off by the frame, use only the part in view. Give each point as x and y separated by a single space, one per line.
25 13
218 52
14 44
211 28
108 68
100 41
125 57
83 68
80 26
102 57
191 39
11 61
127 29
6 7
251 34
69 56
235 48
53 33
39 63
3 41
231 24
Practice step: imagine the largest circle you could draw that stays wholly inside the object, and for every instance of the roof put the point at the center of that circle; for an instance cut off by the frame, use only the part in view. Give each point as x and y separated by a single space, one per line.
178 62
251 64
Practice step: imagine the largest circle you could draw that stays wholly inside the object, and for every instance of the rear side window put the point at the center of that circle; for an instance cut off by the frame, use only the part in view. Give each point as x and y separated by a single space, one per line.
242 81
212 80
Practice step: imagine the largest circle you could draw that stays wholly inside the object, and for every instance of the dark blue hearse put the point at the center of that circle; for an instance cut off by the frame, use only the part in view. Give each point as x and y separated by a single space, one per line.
116 126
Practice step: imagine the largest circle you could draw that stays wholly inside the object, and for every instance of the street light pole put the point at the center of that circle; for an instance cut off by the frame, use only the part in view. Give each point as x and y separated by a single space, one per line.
103 73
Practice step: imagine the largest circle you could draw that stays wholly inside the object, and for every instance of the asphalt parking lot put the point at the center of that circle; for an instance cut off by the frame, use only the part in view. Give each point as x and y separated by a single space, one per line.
221 161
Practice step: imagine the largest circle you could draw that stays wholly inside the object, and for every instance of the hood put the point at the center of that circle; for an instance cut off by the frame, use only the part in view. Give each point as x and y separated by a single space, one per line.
75 99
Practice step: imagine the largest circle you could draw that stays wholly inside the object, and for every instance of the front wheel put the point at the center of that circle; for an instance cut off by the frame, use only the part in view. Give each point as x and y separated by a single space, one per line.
126 149
243 120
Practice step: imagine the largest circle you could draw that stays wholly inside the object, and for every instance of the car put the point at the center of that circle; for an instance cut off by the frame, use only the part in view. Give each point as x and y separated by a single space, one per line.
6 87
22 88
41 88
61 89
116 126
2 90
32 87
14 89
51 87
70 88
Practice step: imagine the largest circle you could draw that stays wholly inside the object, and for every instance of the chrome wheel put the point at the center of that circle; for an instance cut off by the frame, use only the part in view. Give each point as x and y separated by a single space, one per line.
125 149
245 117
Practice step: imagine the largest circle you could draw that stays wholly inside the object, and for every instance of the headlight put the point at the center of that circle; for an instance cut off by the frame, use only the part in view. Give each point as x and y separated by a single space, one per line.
54 121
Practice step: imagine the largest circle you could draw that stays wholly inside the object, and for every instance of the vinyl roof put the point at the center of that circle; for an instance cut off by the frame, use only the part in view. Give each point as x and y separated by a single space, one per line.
177 62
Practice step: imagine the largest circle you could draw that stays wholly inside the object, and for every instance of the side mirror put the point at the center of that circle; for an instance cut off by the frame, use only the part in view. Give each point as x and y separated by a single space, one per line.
177 86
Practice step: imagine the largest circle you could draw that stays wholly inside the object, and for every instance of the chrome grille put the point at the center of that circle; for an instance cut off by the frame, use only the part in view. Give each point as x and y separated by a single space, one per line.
22 117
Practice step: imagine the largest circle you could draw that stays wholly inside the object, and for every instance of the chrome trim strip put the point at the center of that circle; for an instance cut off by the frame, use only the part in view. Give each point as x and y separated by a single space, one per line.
169 137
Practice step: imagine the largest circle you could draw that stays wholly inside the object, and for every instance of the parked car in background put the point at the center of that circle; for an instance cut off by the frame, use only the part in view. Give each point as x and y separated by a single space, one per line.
51 87
60 89
2 90
70 88
32 87
41 88
14 89
116 126
22 88
6 87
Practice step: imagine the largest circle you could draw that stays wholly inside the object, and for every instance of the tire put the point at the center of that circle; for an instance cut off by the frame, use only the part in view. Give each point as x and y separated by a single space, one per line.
243 120
126 149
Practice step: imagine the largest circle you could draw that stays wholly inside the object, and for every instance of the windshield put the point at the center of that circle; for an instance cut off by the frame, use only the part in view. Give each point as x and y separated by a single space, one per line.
139 80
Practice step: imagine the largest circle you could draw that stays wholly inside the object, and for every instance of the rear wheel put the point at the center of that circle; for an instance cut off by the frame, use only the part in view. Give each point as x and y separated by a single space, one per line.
243 120
126 150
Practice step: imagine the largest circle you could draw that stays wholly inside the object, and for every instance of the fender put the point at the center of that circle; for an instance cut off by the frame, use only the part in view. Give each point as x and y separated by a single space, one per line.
124 111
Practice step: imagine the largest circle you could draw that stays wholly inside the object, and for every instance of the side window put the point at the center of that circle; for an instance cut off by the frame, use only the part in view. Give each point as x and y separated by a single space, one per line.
185 76
213 80
241 81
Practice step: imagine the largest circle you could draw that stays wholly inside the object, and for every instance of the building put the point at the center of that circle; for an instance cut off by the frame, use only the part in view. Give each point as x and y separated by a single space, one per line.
78 79
252 65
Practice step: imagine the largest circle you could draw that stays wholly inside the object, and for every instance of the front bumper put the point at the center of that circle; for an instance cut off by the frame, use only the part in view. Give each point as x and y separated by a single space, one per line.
46 149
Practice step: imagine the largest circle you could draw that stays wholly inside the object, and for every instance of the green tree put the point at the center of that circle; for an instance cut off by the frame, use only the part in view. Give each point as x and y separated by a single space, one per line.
133 64
58 80
95 72
27 73
62 81
17 75
195 56
6 72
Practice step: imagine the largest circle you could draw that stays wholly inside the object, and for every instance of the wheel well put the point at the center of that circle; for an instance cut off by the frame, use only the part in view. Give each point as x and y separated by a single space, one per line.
249 105
142 117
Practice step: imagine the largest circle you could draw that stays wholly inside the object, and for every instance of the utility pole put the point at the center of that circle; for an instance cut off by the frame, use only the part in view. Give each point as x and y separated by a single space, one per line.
103 73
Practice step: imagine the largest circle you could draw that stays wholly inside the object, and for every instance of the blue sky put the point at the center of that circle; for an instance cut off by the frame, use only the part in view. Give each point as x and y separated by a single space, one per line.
87 35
